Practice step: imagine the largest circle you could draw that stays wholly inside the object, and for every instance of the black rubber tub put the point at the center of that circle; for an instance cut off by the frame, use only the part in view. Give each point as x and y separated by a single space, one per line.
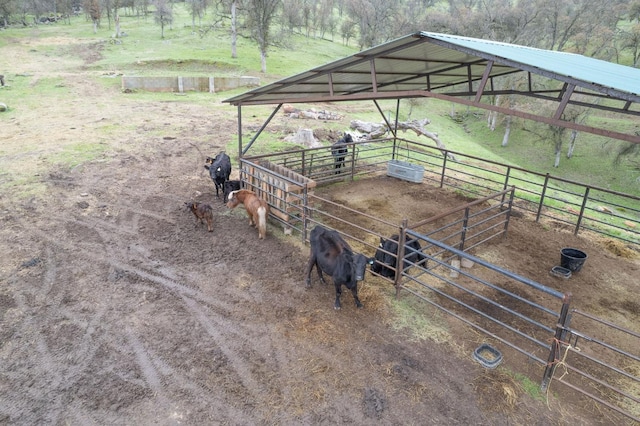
572 259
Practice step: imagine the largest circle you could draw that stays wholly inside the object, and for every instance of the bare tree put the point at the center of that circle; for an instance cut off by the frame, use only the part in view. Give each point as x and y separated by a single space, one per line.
163 14
116 4
234 29
630 40
197 8
375 20
7 8
292 15
261 13
93 8
347 30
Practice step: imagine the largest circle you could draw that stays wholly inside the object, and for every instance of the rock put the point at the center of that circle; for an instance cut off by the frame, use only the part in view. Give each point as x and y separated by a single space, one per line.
604 209
455 265
466 263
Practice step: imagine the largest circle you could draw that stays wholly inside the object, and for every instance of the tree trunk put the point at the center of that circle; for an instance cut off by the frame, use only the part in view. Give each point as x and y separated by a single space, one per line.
572 143
507 131
117 21
263 61
558 152
493 116
418 126
234 34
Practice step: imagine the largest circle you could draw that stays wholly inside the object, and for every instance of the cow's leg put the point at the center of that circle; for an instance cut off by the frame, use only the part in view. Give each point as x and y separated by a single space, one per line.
320 274
338 293
354 291
307 271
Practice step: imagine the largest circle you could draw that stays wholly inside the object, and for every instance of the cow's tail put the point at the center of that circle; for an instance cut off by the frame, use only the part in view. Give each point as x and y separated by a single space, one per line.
262 222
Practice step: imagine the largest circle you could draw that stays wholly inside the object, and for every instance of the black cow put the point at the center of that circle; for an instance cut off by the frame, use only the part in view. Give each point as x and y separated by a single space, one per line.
339 151
332 255
219 169
384 262
230 186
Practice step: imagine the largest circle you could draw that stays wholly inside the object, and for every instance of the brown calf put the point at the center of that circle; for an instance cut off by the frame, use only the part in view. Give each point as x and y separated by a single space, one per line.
202 212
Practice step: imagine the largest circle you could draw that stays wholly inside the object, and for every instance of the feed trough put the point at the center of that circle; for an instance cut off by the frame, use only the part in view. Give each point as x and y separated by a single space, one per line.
487 355
405 171
560 272
572 259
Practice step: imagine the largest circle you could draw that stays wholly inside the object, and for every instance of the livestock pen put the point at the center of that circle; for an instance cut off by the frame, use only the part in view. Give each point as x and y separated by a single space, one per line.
523 316
583 208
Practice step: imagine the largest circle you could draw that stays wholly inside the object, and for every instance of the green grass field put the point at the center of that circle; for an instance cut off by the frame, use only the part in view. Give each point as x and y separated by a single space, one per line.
184 51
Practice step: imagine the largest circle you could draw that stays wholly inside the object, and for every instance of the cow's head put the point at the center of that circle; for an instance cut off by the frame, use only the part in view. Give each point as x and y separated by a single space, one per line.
361 261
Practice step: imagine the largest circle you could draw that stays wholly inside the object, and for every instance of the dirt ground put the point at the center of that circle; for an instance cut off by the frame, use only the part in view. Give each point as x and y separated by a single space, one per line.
116 308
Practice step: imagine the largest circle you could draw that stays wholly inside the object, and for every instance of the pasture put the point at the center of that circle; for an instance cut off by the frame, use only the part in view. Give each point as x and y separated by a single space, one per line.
116 309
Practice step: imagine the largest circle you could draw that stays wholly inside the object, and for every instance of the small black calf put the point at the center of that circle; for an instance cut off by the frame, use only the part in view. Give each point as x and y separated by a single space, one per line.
387 253
230 186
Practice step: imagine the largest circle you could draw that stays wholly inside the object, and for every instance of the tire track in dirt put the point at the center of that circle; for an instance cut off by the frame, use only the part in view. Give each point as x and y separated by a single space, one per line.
32 303
209 312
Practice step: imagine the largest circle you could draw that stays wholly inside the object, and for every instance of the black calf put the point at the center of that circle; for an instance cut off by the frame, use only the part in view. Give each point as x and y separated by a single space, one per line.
230 186
384 262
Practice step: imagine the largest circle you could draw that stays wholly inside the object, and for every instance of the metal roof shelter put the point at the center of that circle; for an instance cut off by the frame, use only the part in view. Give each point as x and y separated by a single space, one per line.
462 70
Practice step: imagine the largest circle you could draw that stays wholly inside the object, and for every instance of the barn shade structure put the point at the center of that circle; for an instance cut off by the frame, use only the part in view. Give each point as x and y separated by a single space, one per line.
466 71
470 72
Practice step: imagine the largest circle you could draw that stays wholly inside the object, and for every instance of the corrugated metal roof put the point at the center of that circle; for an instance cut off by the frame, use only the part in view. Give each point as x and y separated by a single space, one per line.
460 68
432 61
589 70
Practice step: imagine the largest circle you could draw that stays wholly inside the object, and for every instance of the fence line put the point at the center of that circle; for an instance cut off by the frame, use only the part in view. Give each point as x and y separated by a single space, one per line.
580 207
574 341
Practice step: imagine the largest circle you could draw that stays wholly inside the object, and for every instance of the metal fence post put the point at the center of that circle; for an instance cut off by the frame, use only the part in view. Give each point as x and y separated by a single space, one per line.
465 225
508 217
444 169
584 204
542 194
402 237
506 182
554 352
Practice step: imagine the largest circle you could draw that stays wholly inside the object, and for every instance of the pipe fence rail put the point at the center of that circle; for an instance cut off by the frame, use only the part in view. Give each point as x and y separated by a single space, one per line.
578 207
596 358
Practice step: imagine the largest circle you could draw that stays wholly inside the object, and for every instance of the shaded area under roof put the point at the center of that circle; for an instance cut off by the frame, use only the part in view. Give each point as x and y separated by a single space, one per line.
464 70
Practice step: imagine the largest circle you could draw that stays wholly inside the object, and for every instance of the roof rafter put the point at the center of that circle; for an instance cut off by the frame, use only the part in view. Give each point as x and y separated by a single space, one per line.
464 70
